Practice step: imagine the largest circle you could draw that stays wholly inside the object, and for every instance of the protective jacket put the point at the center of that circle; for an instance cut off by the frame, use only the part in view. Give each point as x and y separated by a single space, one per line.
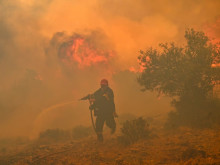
104 102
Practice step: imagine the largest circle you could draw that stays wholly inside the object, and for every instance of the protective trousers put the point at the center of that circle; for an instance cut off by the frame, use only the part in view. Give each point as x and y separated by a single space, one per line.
110 122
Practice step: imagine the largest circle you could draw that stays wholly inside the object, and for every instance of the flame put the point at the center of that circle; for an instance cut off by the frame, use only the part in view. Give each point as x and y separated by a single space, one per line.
213 31
137 69
83 52
133 69
215 65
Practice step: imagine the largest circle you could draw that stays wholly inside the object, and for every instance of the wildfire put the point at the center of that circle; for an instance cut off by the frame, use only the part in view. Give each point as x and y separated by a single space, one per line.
137 69
215 65
84 51
213 31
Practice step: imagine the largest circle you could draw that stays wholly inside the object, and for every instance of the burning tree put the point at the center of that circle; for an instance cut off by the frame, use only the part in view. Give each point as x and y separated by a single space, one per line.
85 50
187 74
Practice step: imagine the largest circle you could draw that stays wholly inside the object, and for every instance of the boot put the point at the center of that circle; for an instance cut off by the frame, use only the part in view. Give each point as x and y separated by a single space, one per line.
99 137
113 130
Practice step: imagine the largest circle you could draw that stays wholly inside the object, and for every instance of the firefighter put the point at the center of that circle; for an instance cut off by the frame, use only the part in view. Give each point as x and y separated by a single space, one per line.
104 109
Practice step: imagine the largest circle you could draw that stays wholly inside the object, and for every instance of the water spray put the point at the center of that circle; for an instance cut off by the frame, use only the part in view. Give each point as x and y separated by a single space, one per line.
36 127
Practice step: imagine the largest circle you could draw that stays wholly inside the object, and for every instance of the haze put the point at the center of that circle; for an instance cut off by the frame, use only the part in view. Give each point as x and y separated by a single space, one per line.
41 79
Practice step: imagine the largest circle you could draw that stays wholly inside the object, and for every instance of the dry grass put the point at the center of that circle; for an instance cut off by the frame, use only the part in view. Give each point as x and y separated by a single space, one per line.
181 146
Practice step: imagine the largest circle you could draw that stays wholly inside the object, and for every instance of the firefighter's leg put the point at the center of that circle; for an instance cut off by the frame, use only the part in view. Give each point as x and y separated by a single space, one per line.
99 128
110 122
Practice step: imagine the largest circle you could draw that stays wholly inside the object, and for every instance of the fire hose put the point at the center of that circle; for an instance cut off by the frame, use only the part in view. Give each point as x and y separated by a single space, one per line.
91 107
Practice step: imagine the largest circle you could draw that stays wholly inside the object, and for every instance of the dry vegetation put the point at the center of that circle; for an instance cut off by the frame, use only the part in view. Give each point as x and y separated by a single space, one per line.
160 146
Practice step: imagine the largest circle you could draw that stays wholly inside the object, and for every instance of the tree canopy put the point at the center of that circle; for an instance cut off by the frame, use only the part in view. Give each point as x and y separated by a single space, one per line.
175 71
188 74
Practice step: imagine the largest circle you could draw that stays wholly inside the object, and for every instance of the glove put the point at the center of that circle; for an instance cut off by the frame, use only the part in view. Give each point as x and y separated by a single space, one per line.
91 107
115 114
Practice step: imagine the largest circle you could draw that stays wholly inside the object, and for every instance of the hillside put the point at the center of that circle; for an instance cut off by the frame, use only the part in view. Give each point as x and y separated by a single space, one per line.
181 146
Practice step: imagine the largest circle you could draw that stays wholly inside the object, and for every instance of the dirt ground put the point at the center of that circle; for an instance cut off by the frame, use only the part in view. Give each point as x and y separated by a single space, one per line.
181 146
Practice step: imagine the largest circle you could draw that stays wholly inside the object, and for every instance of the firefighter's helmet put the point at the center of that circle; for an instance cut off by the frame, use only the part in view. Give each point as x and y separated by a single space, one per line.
104 82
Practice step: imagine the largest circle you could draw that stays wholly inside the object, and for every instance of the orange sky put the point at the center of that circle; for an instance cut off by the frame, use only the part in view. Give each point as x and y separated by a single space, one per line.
130 25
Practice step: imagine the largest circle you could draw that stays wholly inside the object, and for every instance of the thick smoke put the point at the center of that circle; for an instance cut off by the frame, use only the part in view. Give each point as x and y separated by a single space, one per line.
85 50
41 71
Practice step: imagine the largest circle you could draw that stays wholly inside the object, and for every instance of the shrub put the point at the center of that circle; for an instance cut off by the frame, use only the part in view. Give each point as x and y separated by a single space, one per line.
134 130
81 132
198 114
54 135
125 116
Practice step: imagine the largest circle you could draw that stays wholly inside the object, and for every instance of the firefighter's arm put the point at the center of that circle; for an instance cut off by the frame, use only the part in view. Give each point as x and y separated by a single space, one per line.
114 111
86 97
113 104
115 114
92 106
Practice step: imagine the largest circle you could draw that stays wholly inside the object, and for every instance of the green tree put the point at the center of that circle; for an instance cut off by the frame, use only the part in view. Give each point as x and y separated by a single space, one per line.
184 73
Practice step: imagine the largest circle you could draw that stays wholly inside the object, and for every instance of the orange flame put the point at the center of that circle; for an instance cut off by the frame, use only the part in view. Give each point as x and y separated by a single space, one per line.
83 52
213 31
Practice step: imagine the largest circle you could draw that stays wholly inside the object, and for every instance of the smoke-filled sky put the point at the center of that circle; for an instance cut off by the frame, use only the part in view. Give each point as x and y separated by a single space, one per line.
56 51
